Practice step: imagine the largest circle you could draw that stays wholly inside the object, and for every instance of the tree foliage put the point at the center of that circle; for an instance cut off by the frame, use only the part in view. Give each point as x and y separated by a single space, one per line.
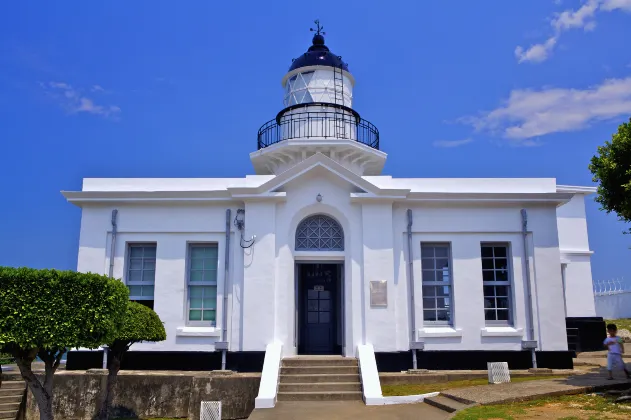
45 312
612 170
140 323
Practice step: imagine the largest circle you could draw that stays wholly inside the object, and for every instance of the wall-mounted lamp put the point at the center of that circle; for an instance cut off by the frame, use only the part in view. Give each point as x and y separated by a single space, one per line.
319 198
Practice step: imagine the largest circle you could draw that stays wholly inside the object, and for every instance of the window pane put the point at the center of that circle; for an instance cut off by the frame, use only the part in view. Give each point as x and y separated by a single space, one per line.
195 315
325 294
442 303
210 292
443 315
149 276
429 303
149 252
442 263
135 275
197 264
210 263
502 302
487 264
325 305
502 315
489 315
427 251
149 264
135 290
487 252
489 291
500 251
501 263
135 251
427 263
196 275
429 275
210 275
488 275
312 317
197 252
196 292
312 305
210 303
135 264
429 315
501 290
501 275
489 303
196 303
429 291
312 294
209 315
441 251
147 290
443 275
324 318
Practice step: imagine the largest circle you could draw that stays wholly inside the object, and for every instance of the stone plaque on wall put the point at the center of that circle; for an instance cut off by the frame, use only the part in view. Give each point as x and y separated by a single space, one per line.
379 293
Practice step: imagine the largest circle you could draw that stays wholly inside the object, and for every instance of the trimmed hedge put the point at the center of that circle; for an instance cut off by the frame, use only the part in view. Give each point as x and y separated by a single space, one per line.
54 310
140 324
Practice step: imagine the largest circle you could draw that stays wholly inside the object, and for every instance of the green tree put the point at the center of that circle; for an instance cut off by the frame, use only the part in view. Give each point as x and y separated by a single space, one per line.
612 170
45 312
140 323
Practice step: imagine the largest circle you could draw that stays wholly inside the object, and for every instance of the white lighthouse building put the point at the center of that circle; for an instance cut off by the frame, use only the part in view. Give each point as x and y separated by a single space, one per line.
319 252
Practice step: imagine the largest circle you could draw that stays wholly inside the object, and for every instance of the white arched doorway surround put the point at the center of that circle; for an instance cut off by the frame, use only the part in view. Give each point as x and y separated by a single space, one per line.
340 259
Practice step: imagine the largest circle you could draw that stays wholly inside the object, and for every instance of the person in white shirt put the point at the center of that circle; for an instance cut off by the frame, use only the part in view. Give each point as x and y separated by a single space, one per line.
616 349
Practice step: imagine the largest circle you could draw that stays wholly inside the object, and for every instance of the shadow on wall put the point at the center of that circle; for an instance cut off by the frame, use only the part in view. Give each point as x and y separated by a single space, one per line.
142 395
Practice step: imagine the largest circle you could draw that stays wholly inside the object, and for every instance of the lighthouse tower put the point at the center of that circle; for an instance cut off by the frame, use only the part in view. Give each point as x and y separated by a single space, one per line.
318 118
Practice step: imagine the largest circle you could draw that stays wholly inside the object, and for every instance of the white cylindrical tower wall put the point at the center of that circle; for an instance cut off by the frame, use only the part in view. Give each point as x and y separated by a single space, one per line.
318 84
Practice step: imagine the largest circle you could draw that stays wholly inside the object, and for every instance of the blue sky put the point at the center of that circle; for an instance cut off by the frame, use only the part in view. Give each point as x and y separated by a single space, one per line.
179 89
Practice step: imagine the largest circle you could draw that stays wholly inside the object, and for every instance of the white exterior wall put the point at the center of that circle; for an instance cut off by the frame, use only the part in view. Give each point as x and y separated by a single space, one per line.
261 289
575 257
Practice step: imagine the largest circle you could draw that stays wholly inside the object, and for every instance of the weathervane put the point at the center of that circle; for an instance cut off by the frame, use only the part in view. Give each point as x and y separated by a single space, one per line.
319 29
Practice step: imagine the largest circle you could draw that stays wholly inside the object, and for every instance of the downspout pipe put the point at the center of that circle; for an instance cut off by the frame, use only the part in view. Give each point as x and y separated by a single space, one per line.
224 318
411 280
111 270
531 343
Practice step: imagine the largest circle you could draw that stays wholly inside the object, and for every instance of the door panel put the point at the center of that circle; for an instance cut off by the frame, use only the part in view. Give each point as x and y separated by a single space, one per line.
319 284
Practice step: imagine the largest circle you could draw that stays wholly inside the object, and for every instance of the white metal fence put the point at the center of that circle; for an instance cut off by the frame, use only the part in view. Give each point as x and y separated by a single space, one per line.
613 298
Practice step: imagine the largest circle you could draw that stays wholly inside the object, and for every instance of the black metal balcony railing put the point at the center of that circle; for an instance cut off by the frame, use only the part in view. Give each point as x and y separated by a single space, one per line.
343 124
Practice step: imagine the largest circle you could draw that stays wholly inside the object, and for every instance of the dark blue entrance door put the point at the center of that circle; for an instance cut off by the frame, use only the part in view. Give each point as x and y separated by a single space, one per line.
318 308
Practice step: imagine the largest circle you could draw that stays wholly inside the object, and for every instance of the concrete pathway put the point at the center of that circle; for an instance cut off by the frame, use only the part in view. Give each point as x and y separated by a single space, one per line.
524 391
338 410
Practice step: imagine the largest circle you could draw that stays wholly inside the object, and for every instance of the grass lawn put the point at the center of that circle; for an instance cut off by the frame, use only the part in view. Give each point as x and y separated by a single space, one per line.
571 407
620 323
395 390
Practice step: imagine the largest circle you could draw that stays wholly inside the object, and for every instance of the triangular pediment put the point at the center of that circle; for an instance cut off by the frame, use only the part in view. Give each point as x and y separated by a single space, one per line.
318 162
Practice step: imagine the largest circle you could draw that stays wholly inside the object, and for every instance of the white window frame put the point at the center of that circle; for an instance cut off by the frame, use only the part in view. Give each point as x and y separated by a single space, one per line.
128 281
435 284
194 323
505 283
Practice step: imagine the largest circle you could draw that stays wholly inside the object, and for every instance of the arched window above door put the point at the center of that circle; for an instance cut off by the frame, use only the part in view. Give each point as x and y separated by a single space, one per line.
319 233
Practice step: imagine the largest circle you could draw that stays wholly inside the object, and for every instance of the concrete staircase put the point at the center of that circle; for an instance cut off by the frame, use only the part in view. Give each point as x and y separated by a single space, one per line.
447 403
11 395
319 378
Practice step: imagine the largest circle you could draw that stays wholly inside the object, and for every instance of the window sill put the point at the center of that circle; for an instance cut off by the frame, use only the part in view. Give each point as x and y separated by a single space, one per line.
501 332
439 331
198 332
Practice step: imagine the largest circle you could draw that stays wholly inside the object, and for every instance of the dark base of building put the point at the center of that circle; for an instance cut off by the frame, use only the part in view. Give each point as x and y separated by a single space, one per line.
585 333
247 361
472 360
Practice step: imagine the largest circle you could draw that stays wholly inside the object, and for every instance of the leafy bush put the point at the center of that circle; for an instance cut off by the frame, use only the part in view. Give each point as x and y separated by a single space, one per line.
45 312
140 323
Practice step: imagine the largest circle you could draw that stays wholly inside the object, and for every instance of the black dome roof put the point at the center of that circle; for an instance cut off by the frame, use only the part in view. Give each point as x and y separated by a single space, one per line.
318 55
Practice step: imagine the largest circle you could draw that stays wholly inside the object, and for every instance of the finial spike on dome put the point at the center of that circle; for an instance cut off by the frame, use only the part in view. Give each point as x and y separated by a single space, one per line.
319 29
